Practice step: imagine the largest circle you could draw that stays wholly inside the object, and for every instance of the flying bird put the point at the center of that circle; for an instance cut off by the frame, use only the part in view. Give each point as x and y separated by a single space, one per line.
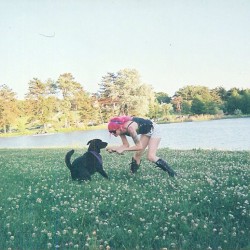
47 35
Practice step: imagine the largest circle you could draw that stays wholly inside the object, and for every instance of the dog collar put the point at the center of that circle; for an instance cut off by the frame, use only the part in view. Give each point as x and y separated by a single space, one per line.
97 155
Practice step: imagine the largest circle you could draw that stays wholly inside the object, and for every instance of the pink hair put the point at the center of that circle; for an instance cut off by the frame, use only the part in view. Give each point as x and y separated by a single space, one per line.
117 122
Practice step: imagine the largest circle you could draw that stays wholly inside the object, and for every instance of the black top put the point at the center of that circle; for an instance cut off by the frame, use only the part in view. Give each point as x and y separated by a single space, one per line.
144 125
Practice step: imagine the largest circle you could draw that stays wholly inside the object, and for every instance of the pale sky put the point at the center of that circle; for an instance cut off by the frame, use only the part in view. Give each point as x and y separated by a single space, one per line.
172 43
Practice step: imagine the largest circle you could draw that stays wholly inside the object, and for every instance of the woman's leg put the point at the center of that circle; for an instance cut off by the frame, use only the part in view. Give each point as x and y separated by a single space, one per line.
138 154
153 145
152 150
136 159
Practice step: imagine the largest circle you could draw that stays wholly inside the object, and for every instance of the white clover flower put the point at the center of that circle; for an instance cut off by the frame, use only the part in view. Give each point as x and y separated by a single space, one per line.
173 245
39 200
12 237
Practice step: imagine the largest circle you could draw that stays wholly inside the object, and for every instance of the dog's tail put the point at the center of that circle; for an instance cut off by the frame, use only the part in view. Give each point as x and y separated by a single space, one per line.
67 158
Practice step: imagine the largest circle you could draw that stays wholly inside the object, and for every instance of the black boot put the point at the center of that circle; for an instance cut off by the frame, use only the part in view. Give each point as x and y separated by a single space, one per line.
134 166
165 167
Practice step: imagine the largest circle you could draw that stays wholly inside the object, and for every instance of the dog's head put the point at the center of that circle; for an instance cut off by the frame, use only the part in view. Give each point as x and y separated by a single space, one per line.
96 145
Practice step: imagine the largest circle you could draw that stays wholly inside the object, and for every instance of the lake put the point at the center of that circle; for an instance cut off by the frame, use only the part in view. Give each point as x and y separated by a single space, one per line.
225 134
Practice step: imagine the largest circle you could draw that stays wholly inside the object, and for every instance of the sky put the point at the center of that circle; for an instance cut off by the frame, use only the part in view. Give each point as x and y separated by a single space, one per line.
171 43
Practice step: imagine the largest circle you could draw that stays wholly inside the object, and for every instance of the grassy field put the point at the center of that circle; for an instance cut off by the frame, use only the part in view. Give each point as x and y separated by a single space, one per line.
206 208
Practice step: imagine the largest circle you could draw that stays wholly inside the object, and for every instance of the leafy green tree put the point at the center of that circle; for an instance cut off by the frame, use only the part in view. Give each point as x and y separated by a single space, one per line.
88 111
186 107
77 106
188 92
8 108
162 97
222 93
234 101
209 99
198 106
245 102
68 87
165 109
126 93
211 107
40 102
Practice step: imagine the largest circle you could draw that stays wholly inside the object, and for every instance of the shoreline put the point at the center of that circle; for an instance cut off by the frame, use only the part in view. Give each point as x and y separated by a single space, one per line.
171 119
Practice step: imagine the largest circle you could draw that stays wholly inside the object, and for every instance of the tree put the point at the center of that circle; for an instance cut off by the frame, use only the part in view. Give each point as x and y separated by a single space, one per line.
88 112
245 102
234 101
77 105
8 108
186 107
126 94
41 102
162 97
222 93
177 103
198 106
209 99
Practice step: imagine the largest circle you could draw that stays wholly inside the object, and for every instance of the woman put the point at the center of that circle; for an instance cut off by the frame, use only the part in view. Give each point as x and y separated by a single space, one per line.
150 137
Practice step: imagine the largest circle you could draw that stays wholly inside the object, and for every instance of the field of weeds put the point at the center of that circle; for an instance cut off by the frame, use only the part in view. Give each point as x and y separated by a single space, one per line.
206 207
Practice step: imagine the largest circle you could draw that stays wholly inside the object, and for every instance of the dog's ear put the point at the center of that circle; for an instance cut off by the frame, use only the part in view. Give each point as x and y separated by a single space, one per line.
89 142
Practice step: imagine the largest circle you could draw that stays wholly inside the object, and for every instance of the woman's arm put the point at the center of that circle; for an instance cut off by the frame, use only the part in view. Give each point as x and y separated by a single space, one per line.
125 147
121 148
125 142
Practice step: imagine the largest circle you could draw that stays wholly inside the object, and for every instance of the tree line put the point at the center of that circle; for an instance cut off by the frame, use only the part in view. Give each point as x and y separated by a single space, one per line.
64 103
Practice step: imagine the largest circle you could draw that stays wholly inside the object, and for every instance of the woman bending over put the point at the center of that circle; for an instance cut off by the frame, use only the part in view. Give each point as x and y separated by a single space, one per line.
149 137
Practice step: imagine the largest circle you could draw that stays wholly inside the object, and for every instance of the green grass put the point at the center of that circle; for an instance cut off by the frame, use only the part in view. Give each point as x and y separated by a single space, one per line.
206 208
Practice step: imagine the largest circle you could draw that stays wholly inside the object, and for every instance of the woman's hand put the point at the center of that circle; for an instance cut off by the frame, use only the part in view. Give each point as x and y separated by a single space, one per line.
116 149
111 149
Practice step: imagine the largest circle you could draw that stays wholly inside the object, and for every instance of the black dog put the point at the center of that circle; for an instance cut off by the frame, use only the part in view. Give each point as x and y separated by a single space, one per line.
89 163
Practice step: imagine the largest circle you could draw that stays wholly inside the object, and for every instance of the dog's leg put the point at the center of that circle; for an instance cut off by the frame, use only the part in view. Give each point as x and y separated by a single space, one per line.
84 175
103 173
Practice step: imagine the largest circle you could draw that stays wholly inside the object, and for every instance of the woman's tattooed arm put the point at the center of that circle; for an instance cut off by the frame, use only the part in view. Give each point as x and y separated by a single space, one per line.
134 136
